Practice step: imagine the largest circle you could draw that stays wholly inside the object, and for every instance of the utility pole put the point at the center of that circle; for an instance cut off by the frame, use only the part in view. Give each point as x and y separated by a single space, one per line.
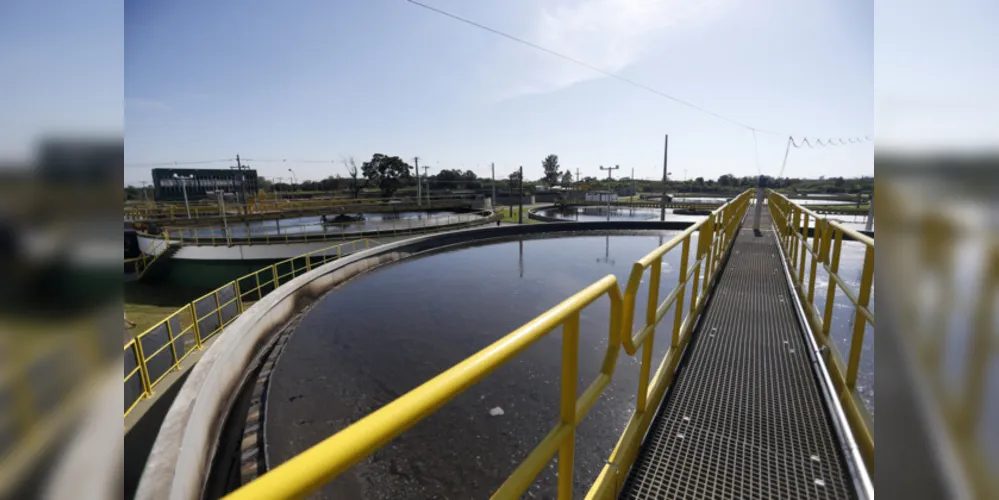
225 224
577 180
493 167
294 180
425 168
609 177
145 199
662 212
634 188
239 168
520 215
183 185
419 198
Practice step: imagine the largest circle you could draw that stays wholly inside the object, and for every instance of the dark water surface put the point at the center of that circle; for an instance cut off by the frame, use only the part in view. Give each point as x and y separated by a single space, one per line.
388 331
313 224
596 214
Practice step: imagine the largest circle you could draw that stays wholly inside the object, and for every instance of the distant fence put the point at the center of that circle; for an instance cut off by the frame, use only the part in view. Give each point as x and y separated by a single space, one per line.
238 234
154 353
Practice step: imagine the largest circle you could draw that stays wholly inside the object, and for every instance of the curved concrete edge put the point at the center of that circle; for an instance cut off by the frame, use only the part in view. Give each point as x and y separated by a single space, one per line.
533 214
182 454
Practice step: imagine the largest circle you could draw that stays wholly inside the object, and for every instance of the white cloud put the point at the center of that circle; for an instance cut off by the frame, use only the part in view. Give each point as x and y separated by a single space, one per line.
607 34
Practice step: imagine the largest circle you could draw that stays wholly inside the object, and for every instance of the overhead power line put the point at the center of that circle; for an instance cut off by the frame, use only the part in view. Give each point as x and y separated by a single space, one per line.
178 163
818 143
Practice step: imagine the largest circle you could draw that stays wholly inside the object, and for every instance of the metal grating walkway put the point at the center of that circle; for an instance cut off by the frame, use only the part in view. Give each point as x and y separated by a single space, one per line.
745 418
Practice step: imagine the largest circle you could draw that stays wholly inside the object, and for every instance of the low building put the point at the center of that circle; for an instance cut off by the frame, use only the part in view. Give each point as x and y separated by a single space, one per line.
601 195
169 183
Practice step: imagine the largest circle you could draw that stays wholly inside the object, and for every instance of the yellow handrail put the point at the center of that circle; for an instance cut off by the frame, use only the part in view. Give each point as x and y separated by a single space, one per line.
144 260
188 322
319 464
804 254
196 235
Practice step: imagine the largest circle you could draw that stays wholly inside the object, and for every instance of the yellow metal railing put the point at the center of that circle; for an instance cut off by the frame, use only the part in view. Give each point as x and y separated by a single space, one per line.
321 463
237 233
804 254
170 341
944 280
206 209
709 240
141 263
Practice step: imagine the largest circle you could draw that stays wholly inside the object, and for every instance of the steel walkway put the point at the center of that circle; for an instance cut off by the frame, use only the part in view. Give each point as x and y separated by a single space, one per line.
745 417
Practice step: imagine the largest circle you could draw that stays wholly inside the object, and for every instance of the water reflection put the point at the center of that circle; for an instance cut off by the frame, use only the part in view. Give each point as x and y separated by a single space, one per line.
595 214
314 225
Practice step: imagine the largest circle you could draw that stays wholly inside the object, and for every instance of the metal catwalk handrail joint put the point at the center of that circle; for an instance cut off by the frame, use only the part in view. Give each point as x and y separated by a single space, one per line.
803 255
314 467
219 236
188 322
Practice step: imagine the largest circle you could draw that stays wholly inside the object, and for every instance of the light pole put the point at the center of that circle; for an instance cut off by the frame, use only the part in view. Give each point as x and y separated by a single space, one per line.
294 179
225 223
419 183
609 177
427 179
183 185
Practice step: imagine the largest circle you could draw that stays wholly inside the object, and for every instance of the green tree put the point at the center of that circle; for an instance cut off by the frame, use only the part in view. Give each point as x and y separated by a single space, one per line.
552 174
386 172
566 178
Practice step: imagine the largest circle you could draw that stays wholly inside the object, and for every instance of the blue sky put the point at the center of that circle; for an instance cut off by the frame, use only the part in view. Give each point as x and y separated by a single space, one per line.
319 80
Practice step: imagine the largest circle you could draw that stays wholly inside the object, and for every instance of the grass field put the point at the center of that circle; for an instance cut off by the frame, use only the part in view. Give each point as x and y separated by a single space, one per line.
511 217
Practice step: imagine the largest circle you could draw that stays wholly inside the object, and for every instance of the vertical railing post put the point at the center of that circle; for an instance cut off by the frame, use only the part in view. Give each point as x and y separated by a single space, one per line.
274 272
570 374
803 251
678 305
239 296
859 322
194 321
708 248
792 238
256 278
831 294
218 309
820 230
697 270
650 322
140 358
173 347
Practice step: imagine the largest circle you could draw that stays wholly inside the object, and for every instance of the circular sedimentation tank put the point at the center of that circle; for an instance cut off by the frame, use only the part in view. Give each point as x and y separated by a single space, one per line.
383 333
345 339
